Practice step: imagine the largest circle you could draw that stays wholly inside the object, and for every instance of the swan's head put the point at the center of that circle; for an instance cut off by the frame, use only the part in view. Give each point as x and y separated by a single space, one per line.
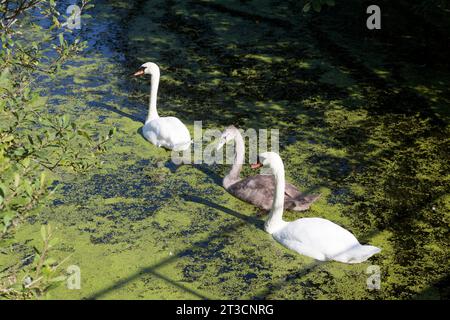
228 135
270 160
147 68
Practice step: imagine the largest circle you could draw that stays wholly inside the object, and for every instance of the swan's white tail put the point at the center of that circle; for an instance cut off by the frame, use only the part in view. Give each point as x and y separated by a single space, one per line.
357 254
182 146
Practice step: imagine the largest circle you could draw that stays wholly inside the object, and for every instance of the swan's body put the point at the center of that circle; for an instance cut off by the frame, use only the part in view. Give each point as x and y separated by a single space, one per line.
259 189
323 240
166 132
317 238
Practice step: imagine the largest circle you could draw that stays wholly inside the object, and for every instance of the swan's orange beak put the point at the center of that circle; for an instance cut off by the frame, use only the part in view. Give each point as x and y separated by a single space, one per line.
139 73
256 165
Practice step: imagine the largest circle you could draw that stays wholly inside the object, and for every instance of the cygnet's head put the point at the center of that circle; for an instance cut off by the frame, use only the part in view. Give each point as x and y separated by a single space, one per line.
228 135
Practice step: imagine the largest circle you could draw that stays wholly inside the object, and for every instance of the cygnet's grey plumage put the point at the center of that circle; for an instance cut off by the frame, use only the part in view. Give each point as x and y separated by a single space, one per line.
259 189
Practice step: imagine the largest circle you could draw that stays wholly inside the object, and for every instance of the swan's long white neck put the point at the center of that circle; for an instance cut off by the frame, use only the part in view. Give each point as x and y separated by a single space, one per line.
152 112
235 171
275 220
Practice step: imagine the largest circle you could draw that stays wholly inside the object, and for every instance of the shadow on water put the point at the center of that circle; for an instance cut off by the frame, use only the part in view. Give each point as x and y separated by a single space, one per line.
201 244
442 285
210 173
100 105
148 271
249 219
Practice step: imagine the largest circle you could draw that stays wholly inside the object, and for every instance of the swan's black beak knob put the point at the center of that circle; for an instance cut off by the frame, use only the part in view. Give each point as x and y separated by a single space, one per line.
140 72
256 165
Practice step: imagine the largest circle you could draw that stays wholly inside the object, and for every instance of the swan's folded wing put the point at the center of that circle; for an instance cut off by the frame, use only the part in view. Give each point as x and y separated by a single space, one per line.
169 131
292 191
296 200
303 202
257 190
172 129
319 234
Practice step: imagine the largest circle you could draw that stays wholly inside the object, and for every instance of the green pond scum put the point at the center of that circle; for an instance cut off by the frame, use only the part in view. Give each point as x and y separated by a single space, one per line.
362 122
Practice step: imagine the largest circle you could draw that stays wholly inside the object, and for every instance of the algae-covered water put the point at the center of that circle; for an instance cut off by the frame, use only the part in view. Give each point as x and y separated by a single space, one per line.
360 122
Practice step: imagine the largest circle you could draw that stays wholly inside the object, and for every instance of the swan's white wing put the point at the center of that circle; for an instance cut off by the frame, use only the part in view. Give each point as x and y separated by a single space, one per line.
304 249
357 254
318 235
168 132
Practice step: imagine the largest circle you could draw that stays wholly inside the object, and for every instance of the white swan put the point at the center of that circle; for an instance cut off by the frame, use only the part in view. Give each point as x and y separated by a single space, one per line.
166 132
317 238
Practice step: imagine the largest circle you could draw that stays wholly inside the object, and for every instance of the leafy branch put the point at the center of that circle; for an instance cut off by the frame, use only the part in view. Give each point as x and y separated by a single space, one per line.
317 5
35 145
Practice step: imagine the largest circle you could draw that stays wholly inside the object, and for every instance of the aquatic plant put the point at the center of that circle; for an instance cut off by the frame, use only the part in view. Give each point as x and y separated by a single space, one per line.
35 143
362 120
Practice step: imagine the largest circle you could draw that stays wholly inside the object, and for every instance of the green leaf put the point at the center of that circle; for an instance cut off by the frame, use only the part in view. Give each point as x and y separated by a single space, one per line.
55 23
46 271
61 39
53 242
42 180
58 279
84 134
26 162
20 201
30 139
307 7
50 261
43 232
2 190
37 256
316 6
16 179
27 187
19 152
112 131
89 6
7 218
